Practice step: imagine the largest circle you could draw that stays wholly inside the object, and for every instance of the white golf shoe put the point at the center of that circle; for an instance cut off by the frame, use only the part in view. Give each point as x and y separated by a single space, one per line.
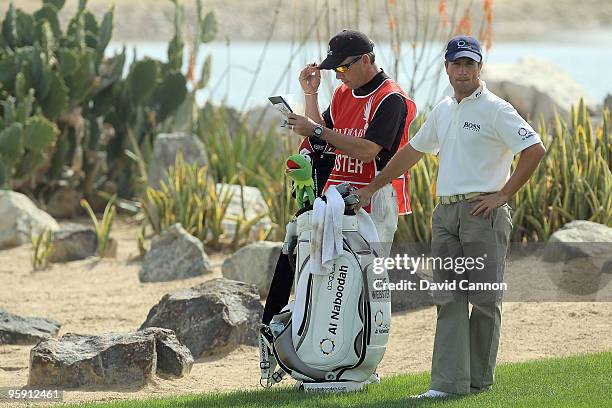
433 394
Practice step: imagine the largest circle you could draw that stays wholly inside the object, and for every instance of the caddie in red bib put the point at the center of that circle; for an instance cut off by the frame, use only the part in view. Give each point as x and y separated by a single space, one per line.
365 124
344 106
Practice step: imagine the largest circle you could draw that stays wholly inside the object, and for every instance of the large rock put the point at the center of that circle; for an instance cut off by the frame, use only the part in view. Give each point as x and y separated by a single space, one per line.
26 330
174 254
253 206
174 360
535 86
584 247
65 202
165 149
579 239
76 360
19 217
108 359
73 242
214 316
254 263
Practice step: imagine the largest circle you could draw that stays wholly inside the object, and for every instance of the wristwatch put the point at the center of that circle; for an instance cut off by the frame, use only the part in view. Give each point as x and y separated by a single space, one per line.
317 132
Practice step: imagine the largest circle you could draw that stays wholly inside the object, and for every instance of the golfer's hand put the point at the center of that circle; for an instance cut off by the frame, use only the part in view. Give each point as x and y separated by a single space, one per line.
485 203
365 195
301 124
310 78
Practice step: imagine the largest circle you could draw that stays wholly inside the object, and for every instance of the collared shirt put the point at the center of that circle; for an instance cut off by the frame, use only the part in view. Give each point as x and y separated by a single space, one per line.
476 141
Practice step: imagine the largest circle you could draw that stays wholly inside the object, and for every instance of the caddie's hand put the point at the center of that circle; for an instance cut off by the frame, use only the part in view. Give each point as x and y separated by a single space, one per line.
484 204
365 195
301 125
310 78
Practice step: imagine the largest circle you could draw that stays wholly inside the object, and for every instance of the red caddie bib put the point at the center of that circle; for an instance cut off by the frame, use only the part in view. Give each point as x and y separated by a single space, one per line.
351 116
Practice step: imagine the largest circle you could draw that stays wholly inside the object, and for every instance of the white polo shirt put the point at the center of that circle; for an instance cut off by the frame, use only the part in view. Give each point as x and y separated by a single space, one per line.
476 140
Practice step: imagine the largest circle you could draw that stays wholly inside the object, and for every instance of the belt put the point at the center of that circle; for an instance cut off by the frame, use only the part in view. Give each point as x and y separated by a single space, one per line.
458 197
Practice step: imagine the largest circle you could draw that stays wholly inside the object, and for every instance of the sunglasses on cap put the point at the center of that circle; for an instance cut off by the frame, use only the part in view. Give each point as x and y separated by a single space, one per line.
343 68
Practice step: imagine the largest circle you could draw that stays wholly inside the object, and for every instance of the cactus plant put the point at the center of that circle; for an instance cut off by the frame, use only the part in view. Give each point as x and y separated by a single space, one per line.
57 88
47 80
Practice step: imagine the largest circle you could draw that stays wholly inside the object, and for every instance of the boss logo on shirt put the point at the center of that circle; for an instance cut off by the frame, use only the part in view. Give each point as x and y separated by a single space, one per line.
525 134
471 126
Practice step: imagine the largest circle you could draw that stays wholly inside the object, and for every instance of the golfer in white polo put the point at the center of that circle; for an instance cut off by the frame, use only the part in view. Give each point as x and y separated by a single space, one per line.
475 135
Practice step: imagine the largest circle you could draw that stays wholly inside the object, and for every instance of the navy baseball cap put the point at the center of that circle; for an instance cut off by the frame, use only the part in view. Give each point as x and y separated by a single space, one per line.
347 43
463 46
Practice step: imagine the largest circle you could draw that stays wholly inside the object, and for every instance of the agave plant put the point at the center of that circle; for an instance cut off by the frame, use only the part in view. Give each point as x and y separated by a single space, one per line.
103 226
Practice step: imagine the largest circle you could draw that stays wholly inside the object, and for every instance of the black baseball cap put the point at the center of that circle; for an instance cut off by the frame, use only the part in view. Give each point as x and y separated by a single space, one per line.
463 46
347 43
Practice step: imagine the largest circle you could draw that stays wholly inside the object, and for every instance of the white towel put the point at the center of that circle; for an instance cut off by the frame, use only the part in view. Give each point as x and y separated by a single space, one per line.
332 228
326 236
316 236
367 229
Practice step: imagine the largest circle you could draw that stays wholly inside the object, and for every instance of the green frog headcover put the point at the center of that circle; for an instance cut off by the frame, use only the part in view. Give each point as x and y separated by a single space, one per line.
299 169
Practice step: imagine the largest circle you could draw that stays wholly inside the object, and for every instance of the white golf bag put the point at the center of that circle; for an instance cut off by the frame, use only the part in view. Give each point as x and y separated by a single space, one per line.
334 334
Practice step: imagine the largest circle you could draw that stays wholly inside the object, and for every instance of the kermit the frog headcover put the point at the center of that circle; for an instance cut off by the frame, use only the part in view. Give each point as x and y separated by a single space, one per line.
299 169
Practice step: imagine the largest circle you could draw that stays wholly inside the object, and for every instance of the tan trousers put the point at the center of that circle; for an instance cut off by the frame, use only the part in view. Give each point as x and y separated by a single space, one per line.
465 346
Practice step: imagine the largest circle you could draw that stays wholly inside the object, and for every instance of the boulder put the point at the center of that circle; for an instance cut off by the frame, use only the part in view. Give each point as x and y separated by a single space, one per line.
73 242
174 254
19 217
579 239
253 206
75 360
535 86
585 248
165 149
254 263
65 202
174 360
211 317
16 329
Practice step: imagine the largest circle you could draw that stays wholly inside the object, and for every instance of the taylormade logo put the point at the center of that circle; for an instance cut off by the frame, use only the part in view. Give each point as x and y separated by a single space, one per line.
335 314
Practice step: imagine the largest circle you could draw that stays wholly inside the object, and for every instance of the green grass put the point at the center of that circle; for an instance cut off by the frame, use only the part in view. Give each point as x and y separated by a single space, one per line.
580 381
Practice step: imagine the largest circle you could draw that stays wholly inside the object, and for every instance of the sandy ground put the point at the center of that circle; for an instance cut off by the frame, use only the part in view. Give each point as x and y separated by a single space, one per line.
514 20
106 296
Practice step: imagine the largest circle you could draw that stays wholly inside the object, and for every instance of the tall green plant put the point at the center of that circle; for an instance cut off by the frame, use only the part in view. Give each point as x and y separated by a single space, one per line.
158 97
89 121
192 198
573 181
59 81
42 244
103 226
235 149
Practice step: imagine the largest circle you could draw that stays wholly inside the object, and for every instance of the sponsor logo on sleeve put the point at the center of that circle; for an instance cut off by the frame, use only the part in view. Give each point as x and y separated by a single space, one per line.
525 133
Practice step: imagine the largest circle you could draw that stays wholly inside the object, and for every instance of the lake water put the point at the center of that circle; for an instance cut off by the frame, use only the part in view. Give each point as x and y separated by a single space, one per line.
586 58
